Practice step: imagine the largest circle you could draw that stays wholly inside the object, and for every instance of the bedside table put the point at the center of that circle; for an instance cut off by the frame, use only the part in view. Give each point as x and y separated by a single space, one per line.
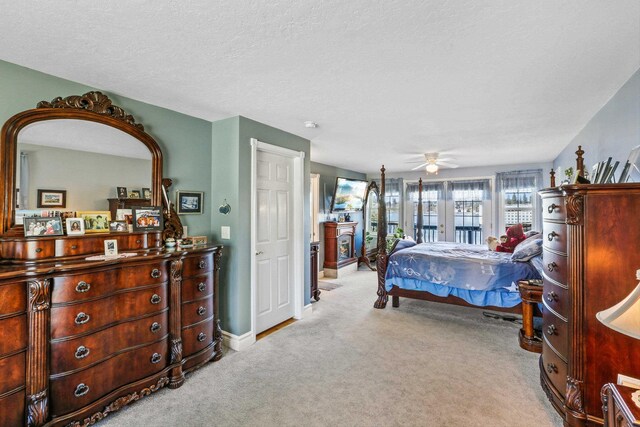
531 294
618 408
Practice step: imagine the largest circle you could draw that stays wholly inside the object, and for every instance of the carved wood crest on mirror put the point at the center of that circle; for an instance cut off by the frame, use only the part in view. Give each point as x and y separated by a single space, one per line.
83 145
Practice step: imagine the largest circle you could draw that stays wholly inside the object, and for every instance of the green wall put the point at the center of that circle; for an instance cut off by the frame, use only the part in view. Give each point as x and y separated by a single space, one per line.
231 180
185 141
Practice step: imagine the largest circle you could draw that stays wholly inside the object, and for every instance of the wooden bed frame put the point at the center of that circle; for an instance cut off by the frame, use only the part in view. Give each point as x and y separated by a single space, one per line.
382 261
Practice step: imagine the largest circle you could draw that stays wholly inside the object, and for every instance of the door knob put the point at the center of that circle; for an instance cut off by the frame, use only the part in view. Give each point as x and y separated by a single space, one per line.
259 253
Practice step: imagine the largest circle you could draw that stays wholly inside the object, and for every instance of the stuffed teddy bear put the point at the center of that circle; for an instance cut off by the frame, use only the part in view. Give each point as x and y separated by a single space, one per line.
492 243
515 235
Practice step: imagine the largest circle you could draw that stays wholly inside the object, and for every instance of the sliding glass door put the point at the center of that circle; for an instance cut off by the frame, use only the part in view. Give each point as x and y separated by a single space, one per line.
453 211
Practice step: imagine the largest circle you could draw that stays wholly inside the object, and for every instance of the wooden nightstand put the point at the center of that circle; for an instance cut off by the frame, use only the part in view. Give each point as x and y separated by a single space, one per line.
531 294
619 410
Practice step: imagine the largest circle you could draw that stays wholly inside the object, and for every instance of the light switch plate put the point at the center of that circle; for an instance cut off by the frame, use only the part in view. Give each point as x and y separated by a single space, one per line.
225 232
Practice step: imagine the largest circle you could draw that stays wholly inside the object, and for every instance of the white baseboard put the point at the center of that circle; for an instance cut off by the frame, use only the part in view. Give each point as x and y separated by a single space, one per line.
321 274
307 310
238 343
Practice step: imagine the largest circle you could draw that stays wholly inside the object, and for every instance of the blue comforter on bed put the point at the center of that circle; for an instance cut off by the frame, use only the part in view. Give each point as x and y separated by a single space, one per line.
471 272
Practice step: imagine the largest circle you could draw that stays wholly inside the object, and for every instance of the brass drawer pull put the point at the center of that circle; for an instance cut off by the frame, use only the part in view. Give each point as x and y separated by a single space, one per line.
155 299
155 327
74 246
138 241
552 266
202 286
82 318
82 352
553 207
552 368
552 296
156 358
155 273
552 330
202 336
38 250
83 286
201 310
81 390
552 235
202 264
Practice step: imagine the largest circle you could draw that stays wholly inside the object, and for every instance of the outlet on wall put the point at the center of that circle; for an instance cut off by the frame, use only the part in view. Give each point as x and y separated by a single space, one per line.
225 232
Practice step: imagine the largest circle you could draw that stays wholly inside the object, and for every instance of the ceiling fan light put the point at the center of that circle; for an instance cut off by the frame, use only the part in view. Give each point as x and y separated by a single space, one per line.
432 168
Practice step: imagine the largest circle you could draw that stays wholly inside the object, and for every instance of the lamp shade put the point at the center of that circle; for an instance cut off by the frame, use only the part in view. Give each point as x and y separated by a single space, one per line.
432 168
624 317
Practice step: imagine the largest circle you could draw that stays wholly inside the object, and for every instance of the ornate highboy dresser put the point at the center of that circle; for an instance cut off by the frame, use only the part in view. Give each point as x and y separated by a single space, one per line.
82 337
591 235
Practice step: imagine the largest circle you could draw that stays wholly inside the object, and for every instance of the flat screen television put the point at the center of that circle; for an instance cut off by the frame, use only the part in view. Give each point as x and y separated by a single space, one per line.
348 195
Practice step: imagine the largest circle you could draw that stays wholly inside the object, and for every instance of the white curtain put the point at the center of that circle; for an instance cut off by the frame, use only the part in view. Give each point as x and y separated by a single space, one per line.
518 191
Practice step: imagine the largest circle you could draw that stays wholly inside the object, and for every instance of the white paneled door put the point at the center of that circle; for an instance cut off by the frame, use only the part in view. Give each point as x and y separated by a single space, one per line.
274 240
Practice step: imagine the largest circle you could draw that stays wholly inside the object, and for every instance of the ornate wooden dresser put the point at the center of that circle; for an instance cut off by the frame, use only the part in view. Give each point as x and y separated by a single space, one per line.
590 254
83 335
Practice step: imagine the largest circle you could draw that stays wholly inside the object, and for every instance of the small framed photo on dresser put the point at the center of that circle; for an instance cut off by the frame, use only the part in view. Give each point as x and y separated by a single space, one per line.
111 248
75 226
43 226
135 194
118 227
146 193
147 218
122 192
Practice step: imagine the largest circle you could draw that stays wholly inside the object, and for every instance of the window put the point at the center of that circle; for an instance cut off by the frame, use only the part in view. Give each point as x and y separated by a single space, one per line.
468 204
431 197
519 199
392 203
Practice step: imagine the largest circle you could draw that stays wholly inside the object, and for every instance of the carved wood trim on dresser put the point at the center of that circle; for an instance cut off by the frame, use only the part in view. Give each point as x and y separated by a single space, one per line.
590 235
81 339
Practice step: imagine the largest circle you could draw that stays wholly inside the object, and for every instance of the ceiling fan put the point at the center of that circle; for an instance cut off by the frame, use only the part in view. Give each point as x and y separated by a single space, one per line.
433 161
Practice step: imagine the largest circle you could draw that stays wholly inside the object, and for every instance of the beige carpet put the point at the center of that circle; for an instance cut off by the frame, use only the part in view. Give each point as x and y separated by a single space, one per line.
423 364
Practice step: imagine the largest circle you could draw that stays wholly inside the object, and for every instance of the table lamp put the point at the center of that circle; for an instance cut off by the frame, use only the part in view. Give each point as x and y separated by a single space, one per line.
624 317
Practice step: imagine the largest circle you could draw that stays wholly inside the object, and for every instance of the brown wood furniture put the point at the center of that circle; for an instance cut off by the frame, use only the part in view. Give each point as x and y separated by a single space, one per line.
590 235
383 258
339 246
315 250
369 219
618 408
531 295
81 338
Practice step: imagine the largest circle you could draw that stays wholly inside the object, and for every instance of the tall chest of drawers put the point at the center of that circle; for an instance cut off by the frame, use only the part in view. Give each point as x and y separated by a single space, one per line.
590 236
81 339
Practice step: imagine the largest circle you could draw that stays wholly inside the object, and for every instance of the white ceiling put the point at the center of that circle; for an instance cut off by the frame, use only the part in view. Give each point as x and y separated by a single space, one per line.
488 82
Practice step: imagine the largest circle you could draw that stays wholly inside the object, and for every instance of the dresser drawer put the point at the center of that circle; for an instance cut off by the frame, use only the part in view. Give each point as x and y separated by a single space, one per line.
197 265
77 353
128 242
197 311
12 409
74 391
556 298
554 236
555 330
78 287
553 208
555 266
13 298
71 320
12 372
196 337
28 249
79 246
13 334
555 368
197 287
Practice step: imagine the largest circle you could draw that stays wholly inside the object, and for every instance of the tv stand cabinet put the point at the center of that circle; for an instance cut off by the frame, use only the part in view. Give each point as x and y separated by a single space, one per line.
339 248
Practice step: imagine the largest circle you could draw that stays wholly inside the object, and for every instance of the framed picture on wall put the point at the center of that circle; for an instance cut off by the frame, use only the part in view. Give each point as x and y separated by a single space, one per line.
189 202
52 198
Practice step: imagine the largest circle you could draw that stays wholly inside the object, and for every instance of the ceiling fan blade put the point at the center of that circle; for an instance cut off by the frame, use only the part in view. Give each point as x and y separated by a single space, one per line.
448 165
421 166
445 159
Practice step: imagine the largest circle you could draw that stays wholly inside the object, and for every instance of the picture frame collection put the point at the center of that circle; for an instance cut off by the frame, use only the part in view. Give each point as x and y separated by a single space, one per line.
143 193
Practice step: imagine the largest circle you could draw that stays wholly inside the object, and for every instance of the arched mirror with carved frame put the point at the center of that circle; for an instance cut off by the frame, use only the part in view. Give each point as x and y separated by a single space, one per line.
74 124
369 248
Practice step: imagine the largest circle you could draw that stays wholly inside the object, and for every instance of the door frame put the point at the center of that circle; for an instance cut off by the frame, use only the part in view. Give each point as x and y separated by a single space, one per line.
298 226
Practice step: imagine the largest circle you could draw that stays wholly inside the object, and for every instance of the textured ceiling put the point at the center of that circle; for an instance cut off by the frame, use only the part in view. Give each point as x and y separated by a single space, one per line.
488 82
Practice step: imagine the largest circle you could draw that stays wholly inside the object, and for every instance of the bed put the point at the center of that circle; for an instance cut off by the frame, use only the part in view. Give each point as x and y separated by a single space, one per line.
453 273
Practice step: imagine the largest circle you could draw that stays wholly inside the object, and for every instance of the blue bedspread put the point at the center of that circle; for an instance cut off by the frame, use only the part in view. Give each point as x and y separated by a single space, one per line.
471 272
